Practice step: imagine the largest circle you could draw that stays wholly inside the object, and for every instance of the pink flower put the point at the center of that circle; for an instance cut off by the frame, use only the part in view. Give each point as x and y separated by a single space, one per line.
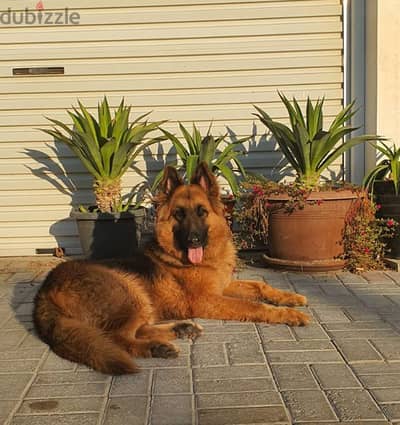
390 222
257 190
378 207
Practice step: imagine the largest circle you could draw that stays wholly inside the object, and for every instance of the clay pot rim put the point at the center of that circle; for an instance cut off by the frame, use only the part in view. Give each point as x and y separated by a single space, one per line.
307 265
325 195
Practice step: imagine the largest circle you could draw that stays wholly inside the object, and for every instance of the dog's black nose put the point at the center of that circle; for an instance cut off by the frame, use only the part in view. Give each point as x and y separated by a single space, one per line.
194 239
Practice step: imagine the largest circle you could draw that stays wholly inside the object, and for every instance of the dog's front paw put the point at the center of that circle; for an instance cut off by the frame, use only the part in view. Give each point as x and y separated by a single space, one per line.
294 317
295 300
188 329
164 350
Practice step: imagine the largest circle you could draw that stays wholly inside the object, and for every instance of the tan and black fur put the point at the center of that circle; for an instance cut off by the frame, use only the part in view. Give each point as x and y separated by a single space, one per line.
104 313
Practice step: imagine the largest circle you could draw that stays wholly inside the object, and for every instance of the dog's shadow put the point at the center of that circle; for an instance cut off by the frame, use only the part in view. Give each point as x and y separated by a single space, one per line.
23 295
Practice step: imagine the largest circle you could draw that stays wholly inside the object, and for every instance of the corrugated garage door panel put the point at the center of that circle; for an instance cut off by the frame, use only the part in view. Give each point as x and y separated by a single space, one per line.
190 61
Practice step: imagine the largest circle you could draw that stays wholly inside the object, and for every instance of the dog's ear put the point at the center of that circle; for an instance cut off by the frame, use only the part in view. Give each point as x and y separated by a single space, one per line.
170 180
206 179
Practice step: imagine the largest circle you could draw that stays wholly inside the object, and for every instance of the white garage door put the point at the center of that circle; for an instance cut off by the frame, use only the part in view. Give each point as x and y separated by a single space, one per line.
198 60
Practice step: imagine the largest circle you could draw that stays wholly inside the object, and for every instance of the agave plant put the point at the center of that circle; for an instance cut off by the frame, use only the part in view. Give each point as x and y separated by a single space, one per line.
221 156
308 148
387 168
107 147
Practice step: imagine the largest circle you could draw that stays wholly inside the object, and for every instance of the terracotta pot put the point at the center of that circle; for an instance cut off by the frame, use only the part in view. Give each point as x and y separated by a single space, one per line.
309 239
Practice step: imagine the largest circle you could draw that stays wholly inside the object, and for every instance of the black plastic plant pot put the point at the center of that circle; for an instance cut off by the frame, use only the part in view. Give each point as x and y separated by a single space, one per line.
109 235
390 209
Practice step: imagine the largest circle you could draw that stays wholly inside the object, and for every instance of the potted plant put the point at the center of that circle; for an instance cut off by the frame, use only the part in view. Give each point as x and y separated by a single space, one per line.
383 182
221 157
306 219
365 236
107 147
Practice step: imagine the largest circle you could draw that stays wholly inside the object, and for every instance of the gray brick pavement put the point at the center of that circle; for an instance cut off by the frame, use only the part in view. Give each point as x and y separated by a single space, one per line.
344 368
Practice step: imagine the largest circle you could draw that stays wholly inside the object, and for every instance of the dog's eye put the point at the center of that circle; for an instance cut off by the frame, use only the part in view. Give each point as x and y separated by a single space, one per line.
179 214
201 211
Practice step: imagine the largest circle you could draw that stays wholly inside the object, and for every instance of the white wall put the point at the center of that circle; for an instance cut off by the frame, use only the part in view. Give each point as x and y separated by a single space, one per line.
382 71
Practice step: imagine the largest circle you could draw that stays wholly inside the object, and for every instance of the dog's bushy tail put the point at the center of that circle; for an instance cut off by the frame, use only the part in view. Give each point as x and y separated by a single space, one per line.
82 343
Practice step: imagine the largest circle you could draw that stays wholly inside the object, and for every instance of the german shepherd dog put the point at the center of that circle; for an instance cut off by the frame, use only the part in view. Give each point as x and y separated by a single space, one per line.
104 313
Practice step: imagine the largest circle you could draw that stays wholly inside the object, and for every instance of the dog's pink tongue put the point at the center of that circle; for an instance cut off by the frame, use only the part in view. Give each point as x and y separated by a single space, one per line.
195 255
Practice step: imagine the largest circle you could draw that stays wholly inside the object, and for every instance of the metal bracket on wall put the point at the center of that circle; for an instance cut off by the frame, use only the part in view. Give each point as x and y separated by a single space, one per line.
52 70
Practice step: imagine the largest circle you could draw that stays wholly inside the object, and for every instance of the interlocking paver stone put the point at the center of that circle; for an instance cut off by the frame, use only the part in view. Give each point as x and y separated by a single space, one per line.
335 376
6 407
251 398
18 365
343 368
4 277
70 419
312 331
382 422
356 350
308 405
299 346
364 334
232 336
390 348
361 313
233 385
328 315
275 333
292 377
61 405
67 390
126 410
381 381
376 368
12 385
354 404
57 364
242 415
209 354
248 353
21 277
350 278
230 372
377 277
10 339
356 326
312 356
172 410
167 381
392 411
395 276
125 385
386 395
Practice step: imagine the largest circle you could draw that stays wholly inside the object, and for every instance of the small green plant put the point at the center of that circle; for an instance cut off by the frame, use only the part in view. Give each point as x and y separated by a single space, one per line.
221 156
308 148
365 236
387 169
252 211
107 147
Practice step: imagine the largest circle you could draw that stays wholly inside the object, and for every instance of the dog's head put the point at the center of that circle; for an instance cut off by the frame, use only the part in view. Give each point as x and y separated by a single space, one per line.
190 219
